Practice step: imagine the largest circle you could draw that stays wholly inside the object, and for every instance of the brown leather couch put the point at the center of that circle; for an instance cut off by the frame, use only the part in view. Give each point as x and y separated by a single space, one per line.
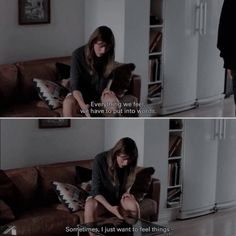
19 99
43 214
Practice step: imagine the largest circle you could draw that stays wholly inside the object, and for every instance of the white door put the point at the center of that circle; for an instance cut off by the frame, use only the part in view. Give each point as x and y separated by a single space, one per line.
210 79
200 165
180 53
226 177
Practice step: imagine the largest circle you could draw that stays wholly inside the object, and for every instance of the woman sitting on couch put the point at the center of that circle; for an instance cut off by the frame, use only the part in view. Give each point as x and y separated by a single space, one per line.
91 73
113 175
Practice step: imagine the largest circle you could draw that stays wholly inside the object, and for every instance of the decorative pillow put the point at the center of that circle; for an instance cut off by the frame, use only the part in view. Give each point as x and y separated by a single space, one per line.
84 178
142 182
122 78
83 174
72 197
63 71
50 92
6 213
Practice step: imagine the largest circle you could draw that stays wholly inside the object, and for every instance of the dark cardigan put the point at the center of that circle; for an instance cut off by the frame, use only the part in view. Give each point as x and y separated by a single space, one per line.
226 35
91 86
101 181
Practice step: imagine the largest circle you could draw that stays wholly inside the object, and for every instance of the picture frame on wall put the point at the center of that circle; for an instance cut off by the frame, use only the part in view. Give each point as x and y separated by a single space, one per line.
54 123
34 12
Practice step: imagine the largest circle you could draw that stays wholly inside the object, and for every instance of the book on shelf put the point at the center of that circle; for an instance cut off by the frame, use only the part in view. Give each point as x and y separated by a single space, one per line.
173 204
174 173
155 39
174 145
154 69
154 90
174 194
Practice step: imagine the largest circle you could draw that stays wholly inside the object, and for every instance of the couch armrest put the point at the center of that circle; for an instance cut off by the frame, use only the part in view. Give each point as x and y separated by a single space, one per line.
135 86
154 194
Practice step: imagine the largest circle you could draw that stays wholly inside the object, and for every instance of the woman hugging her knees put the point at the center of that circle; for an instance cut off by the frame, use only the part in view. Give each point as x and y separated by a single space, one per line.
91 74
112 177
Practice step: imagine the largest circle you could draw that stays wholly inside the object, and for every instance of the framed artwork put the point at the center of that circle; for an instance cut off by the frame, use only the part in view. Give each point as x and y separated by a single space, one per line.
34 12
54 123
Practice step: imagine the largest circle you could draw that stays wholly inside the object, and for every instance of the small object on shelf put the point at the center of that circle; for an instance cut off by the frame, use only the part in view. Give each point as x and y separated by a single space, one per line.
176 124
155 20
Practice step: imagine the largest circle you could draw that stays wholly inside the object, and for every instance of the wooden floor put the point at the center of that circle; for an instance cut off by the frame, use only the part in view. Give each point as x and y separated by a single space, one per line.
225 108
218 224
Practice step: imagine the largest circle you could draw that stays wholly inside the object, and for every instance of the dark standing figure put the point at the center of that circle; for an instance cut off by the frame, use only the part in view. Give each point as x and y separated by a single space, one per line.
227 39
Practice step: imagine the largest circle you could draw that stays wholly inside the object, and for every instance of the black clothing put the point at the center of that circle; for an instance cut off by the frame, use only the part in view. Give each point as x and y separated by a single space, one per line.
91 86
102 183
234 84
226 35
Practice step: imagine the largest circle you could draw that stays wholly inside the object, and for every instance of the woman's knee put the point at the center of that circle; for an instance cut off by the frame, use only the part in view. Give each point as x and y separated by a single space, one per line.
69 101
91 205
69 106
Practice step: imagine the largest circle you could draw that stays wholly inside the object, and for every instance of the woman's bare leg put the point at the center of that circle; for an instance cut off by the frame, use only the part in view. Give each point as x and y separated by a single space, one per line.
92 210
70 106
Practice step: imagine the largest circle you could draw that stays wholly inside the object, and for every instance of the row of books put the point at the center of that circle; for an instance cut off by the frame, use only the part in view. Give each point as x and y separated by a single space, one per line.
154 90
155 41
175 144
154 69
173 197
174 173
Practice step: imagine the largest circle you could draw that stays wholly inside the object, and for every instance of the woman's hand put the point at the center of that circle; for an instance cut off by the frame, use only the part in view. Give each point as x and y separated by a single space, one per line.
115 210
85 110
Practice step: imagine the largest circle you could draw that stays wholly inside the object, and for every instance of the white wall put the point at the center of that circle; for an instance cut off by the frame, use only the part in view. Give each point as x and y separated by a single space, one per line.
110 13
116 129
59 38
128 20
24 144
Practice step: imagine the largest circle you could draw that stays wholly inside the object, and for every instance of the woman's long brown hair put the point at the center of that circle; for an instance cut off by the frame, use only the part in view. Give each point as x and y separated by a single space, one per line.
128 147
104 34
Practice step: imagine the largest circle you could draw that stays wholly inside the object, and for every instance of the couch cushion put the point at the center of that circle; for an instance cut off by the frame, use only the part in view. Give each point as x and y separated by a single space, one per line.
148 208
48 174
26 180
45 221
63 71
44 69
142 182
6 213
31 109
122 78
8 84
9 193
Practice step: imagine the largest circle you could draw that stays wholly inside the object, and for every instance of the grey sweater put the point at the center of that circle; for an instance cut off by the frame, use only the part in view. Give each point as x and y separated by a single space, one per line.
102 183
